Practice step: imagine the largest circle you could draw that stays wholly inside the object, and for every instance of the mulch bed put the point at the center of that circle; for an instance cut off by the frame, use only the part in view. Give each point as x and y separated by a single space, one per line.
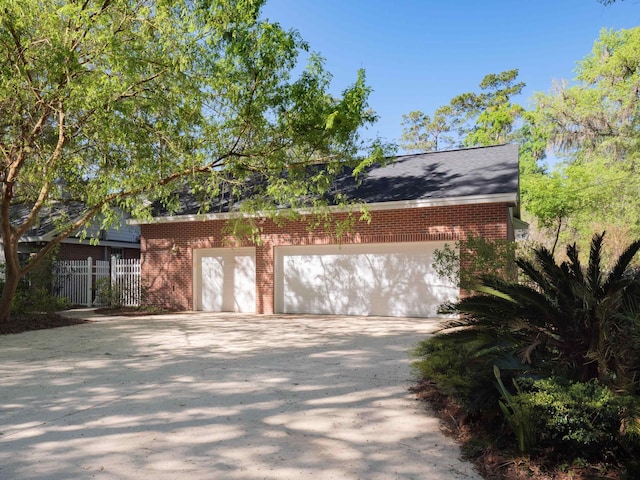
133 311
25 322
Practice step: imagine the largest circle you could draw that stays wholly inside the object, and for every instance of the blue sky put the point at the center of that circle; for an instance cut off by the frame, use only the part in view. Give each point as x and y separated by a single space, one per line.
420 54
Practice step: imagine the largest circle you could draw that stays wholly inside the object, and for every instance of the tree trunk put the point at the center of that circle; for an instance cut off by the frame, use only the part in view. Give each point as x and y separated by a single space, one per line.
555 241
8 291
12 273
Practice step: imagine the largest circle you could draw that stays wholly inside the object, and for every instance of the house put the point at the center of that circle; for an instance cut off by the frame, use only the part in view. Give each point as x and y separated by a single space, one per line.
99 244
416 203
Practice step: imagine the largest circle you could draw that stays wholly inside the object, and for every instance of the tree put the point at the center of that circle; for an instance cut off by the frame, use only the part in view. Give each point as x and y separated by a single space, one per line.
424 134
598 115
114 102
471 119
489 117
594 126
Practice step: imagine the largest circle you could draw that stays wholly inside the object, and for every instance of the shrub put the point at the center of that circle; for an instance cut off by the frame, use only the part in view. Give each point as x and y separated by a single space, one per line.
582 419
35 290
480 255
458 371
518 415
569 320
37 300
566 344
107 293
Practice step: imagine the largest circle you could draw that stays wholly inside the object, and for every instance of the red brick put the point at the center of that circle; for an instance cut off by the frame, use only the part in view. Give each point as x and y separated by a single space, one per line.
167 258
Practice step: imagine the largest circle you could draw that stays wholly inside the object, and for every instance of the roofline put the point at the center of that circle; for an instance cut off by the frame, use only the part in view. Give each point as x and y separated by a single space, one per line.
77 241
509 198
102 243
452 150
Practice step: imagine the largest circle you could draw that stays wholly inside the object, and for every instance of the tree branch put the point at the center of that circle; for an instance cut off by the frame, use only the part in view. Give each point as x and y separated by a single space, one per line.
46 185
23 61
84 218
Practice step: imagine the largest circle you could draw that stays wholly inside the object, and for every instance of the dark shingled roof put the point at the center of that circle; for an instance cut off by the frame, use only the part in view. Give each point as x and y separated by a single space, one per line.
436 175
423 176
52 217
48 216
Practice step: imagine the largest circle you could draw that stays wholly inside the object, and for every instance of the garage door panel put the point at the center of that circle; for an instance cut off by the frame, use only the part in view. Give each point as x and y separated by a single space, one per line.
244 284
321 284
225 280
212 283
390 279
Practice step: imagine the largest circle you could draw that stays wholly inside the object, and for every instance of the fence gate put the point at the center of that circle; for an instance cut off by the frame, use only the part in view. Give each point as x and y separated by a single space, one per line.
94 282
125 281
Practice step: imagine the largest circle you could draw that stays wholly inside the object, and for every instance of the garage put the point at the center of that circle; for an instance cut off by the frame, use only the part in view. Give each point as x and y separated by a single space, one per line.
225 280
395 279
295 264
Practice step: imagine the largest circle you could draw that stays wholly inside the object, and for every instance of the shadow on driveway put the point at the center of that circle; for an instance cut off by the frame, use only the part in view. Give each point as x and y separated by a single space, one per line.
219 396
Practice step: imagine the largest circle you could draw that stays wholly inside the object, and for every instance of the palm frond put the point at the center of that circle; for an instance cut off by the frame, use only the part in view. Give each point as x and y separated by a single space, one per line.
536 276
575 267
494 292
622 264
534 302
481 308
564 320
551 269
594 270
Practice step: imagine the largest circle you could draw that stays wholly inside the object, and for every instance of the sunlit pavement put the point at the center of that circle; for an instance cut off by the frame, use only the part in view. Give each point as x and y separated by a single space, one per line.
219 396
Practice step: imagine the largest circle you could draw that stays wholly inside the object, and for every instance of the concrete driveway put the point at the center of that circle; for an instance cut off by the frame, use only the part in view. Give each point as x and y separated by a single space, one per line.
219 396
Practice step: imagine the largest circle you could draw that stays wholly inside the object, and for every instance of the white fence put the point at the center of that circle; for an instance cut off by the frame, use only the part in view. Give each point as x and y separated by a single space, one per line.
94 282
125 281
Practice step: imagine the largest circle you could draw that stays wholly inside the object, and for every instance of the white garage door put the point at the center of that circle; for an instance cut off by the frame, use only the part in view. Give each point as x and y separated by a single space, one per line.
378 279
225 280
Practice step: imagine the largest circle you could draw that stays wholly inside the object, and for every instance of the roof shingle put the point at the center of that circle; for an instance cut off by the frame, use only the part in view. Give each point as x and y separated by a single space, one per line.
425 176
436 175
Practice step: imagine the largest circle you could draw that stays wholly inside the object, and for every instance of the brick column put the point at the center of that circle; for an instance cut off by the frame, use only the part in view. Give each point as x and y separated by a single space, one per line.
264 278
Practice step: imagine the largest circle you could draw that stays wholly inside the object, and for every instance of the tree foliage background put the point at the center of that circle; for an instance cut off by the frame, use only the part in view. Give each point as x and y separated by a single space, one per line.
590 127
592 124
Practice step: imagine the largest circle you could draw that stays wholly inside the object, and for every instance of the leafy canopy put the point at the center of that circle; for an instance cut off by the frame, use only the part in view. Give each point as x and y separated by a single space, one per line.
112 102
593 126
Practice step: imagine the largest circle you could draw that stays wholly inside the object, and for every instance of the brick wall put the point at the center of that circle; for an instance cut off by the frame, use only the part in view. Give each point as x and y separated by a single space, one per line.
70 251
167 260
82 251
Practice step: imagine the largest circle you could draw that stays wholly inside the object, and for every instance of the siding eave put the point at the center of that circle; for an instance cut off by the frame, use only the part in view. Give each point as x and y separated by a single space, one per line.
508 198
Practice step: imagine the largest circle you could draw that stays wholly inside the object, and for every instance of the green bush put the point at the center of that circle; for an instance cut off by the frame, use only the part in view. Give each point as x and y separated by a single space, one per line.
458 371
565 348
35 290
518 415
108 294
39 300
571 320
584 419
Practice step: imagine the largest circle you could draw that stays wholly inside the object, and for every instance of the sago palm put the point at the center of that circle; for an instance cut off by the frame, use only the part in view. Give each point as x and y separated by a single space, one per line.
567 319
